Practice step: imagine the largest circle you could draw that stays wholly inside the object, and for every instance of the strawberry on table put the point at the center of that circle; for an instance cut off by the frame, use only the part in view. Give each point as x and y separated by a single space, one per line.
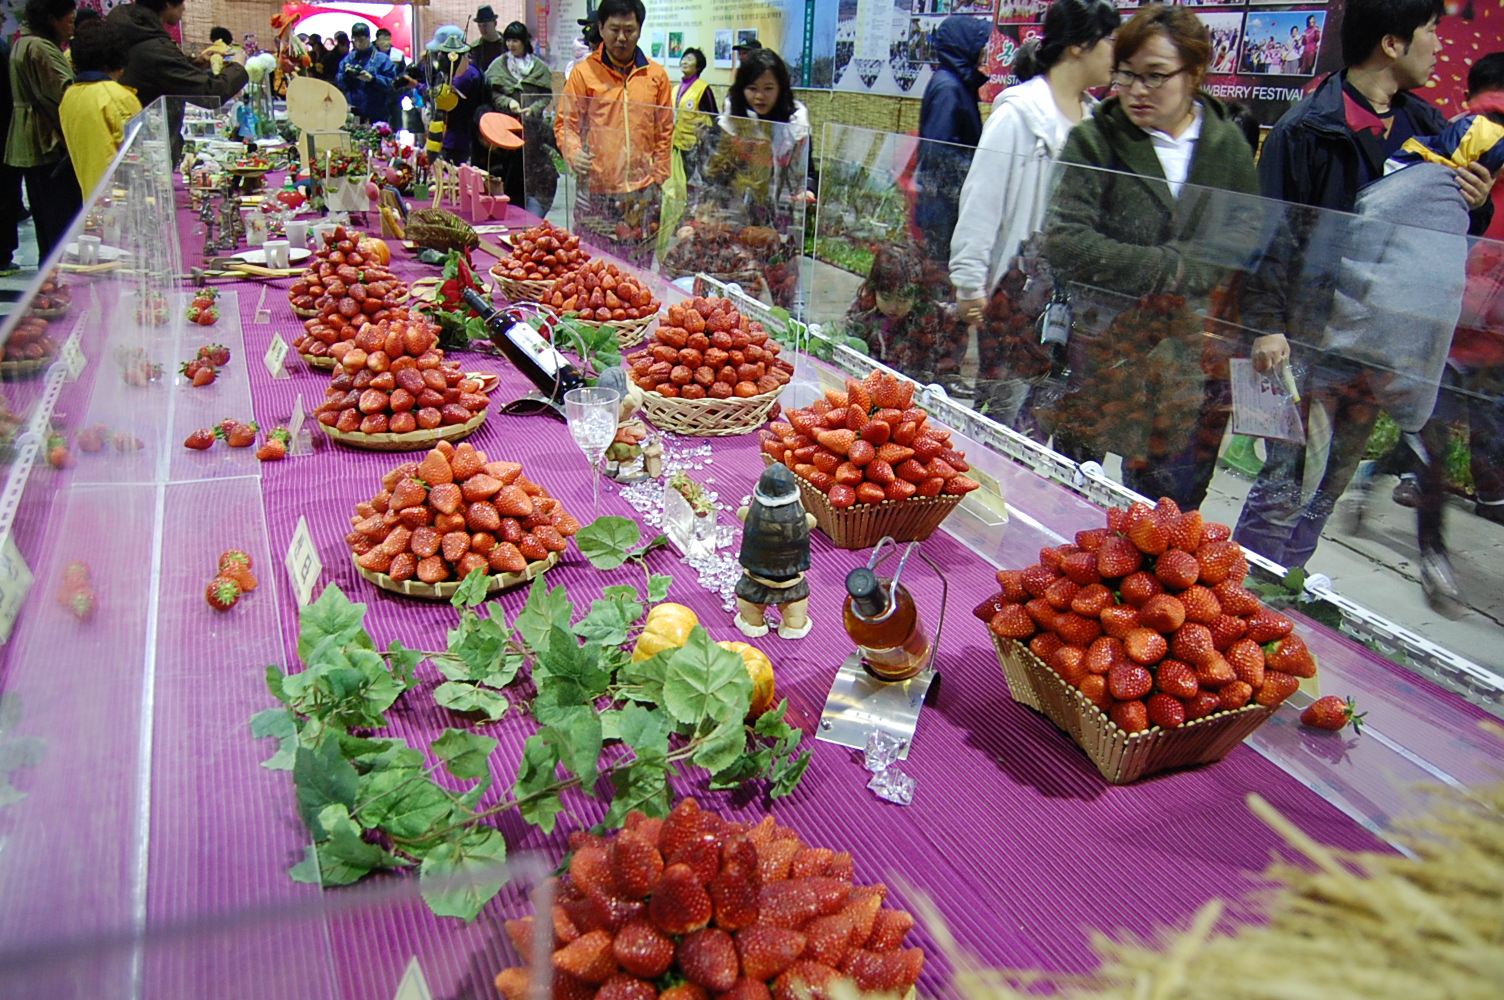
222 593
237 434
201 439
217 355
1332 712
203 315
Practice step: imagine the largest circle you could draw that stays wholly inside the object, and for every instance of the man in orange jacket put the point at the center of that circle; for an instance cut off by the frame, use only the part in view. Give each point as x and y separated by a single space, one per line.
615 128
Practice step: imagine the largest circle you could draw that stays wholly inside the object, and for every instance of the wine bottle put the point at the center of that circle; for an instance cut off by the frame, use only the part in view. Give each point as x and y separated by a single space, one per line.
525 347
883 621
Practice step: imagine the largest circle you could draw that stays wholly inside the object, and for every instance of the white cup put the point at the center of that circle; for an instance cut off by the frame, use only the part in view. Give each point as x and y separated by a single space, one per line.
255 226
88 249
318 234
297 232
276 253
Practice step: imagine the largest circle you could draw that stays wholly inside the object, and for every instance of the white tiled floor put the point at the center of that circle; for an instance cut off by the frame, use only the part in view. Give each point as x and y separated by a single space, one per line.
25 258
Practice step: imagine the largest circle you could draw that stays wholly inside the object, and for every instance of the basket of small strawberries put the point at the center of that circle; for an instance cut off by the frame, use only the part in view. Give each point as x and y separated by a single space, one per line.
601 294
1141 642
540 256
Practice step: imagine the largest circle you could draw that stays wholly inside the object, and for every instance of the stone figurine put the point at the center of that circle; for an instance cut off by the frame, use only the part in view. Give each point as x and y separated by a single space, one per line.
633 454
774 557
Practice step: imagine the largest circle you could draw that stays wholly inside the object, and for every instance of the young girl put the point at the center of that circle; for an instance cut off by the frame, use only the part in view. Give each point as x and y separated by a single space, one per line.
902 313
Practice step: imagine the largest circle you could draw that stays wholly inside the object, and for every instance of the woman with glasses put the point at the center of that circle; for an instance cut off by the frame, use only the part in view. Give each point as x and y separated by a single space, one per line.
1003 199
1143 228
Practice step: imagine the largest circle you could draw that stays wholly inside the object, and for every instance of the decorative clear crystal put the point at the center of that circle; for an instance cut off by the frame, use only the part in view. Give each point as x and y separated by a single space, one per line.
882 750
892 785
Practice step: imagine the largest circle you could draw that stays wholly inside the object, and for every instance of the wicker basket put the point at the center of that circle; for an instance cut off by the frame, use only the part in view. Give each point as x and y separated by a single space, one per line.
51 314
326 363
412 441
709 417
305 313
862 525
1121 757
629 332
517 290
15 371
444 591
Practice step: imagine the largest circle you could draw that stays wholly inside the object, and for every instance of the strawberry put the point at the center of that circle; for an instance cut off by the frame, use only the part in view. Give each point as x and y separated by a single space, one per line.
230 556
774 858
1202 704
1216 672
222 593
1184 532
1167 508
1044 616
92 439
1161 612
588 957
1075 630
1265 625
1147 537
1119 619
1212 531
681 827
1177 678
1227 630
1165 710
1247 661
1277 687
204 376
1216 560
1037 579
241 574
766 951
217 355
620 987
1144 646
1091 539
1193 644
707 957
636 866
1044 645
1070 663
1012 622
805 980
838 441
733 891
272 451
1090 601
1129 716
434 469
680 903
590 869
1332 712
512 501
786 904
1052 557
239 435
1117 519
884 971
1235 598
58 455
888 930
1201 605
1291 655
408 493
200 439
1234 696
1118 557
446 499
1082 568
1137 588
829 938
989 607
1103 654
747 989
1177 569
892 453
513 983
1093 688
1128 681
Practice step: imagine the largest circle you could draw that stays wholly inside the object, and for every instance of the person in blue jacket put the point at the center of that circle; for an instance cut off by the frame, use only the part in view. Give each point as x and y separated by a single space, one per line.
949 114
366 76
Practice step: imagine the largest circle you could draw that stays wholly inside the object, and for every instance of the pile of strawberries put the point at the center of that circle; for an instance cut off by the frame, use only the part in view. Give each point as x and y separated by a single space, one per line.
53 297
707 348
868 444
394 379
600 291
718 908
341 287
542 253
456 512
29 341
1148 618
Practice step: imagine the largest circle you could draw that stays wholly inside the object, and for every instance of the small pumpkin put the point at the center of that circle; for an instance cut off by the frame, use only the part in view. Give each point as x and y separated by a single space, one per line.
376 249
668 627
761 669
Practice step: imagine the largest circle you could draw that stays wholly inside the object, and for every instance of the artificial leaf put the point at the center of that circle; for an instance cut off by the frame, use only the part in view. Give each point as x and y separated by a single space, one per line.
276 683
458 879
280 724
607 541
331 621
643 681
609 622
575 732
538 771
786 779
643 787
404 662
465 754
344 857
562 660
307 870
322 777
21 751
705 681
722 747
369 755
771 723
460 697
545 609
743 769
472 590
414 810
658 585
479 644
656 542
624 591
645 732
10 707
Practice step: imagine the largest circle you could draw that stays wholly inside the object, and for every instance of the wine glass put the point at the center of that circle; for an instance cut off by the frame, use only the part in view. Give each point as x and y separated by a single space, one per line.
592 414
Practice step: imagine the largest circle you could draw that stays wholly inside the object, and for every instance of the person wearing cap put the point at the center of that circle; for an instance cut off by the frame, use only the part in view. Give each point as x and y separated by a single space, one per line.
366 76
615 129
455 88
490 45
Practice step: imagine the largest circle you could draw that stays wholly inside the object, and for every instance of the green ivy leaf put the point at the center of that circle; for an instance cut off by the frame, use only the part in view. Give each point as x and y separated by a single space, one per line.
658 585
643 787
480 645
785 776
705 681
563 661
458 879
537 771
643 681
404 662
743 769
645 732
322 777
331 621
279 724
607 541
771 723
21 751
545 610
722 747
472 590
460 697
10 707
344 857
609 622
465 754
575 732
414 811
307 870
276 684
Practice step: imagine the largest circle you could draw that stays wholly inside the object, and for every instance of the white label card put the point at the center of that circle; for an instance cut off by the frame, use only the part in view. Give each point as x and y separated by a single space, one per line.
303 563
413 986
295 426
73 357
15 583
275 355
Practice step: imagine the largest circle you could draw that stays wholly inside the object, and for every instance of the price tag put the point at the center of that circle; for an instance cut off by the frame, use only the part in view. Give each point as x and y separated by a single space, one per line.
15 583
275 355
989 497
73 357
295 443
413 986
303 563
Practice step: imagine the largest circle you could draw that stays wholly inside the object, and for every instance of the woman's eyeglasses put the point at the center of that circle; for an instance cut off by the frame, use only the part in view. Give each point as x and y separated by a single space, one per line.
1124 79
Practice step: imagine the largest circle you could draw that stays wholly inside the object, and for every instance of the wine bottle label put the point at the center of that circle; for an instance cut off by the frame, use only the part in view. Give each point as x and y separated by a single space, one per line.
541 351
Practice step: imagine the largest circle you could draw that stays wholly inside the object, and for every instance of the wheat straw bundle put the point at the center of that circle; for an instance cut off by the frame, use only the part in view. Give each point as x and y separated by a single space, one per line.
1343 925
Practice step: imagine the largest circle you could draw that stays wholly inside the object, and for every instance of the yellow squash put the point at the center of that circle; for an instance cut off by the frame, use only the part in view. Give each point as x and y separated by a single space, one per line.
761 669
668 627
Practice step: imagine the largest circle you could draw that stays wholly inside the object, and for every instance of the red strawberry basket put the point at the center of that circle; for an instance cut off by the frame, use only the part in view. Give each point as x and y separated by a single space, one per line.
862 525
1122 757
444 591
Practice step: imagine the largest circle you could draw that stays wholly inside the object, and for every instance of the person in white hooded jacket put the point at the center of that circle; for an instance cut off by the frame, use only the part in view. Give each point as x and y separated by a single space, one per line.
1004 197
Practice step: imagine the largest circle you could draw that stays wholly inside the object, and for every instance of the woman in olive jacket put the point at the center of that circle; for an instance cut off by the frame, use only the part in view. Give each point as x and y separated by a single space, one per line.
1152 212
39 73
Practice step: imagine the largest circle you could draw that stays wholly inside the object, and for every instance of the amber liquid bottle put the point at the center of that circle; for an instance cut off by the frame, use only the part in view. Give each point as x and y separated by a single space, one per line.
889 634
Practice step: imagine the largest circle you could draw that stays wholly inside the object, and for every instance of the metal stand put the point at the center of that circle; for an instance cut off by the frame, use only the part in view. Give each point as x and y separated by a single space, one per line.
859 703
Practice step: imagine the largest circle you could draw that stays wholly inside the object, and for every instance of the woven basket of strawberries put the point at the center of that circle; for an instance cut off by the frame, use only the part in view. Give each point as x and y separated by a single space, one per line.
29 351
869 462
395 390
540 256
342 281
1140 641
437 521
600 294
718 908
712 372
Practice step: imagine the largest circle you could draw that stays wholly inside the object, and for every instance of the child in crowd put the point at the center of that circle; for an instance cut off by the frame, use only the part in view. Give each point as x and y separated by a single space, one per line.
95 109
903 313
